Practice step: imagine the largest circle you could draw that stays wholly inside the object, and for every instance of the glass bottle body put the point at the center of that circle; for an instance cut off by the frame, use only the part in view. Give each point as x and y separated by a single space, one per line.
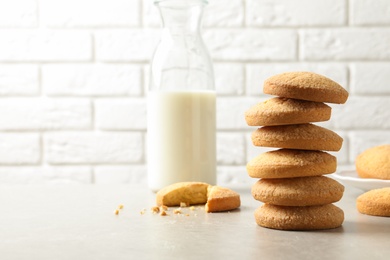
181 100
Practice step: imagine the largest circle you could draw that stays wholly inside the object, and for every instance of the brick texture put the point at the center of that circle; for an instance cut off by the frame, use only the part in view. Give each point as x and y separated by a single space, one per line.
19 80
295 13
45 114
19 13
120 114
74 77
370 78
90 13
91 80
225 154
93 148
229 79
251 44
373 13
44 45
125 45
19 148
345 44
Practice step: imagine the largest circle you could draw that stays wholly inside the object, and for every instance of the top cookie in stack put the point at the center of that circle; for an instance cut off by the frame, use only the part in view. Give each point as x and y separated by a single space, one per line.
300 100
286 122
306 86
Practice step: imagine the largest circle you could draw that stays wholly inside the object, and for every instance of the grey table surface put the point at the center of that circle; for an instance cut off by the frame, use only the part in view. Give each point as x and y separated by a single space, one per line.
78 222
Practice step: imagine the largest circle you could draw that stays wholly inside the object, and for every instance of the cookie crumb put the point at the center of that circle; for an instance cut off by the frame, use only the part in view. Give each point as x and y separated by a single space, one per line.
163 213
177 211
183 205
187 215
120 206
192 208
116 212
142 211
155 209
164 208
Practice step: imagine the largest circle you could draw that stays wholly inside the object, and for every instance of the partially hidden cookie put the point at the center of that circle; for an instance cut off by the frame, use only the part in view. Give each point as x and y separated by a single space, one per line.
221 199
216 198
188 192
287 111
374 163
302 136
375 202
288 163
302 191
299 218
306 86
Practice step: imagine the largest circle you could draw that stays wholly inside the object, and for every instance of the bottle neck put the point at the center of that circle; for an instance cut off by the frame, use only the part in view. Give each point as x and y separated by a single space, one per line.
181 16
181 60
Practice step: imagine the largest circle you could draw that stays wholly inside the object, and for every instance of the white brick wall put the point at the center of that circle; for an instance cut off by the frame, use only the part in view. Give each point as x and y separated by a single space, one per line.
42 45
288 13
89 13
20 148
45 114
250 44
73 77
91 79
19 80
20 14
345 44
93 148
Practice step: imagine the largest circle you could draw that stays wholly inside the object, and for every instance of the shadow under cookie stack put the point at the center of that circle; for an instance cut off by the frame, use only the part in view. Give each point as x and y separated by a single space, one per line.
295 193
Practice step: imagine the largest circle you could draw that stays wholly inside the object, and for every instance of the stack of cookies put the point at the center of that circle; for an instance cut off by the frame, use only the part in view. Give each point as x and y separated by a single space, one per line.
295 193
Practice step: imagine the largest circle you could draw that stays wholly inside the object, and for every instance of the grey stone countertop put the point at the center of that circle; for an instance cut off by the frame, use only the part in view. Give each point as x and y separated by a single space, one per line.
78 222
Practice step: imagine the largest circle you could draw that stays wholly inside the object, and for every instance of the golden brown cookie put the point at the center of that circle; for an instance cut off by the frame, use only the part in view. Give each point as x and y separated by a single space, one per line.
299 218
287 111
216 198
187 192
374 163
288 163
306 86
303 136
221 199
375 202
302 191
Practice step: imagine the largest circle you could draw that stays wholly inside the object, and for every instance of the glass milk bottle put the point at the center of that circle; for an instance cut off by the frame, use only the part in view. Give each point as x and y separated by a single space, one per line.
181 100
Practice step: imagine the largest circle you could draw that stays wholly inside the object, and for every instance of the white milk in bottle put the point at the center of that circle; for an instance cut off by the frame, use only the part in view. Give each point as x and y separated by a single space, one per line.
181 137
181 100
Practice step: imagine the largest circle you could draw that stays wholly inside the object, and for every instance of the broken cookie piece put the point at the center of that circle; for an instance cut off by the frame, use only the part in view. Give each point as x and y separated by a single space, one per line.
221 199
216 198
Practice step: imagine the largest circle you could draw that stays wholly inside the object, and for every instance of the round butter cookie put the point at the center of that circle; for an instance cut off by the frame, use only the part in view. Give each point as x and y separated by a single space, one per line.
303 136
374 163
299 218
306 86
288 163
287 111
375 202
302 191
